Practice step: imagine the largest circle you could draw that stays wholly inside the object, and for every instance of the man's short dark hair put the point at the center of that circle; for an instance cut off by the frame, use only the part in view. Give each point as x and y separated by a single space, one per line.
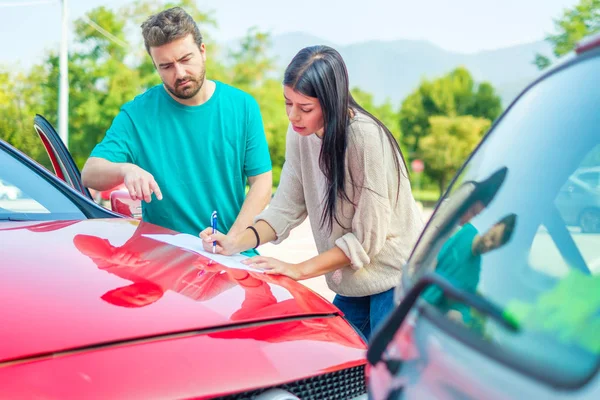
486 190
169 25
509 223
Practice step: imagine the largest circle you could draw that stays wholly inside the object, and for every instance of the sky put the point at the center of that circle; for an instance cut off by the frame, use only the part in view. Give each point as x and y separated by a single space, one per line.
465 26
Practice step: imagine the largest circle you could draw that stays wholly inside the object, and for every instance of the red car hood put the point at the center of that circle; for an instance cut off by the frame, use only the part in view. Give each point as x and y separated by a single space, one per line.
69 285
200 366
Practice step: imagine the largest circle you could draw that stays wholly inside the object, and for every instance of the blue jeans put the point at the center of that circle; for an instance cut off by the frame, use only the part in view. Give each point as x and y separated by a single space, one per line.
365 313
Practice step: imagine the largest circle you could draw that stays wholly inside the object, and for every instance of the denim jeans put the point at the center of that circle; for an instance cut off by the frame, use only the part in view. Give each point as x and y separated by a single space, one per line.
365 313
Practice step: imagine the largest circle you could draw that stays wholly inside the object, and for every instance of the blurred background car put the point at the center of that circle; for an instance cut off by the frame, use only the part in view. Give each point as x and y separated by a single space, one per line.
579 203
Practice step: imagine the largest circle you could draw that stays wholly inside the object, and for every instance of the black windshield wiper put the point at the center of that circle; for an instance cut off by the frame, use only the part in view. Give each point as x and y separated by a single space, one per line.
383 336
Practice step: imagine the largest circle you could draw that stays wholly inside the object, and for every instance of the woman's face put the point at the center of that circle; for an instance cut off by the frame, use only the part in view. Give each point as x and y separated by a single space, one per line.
304 112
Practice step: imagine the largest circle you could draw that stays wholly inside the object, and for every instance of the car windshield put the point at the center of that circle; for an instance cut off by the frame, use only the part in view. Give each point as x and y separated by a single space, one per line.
25 195
521 227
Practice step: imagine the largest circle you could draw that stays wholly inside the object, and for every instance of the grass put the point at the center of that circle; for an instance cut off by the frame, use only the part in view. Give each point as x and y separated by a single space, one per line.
427 196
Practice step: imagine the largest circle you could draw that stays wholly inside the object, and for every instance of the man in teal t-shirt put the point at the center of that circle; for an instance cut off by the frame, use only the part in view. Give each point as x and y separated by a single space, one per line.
192 142
459 260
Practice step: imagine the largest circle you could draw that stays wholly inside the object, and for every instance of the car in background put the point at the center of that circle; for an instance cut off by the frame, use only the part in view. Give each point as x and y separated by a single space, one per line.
500 298
93 307
590 176
579 203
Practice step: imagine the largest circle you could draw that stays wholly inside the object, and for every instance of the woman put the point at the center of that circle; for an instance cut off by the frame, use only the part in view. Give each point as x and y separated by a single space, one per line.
345 171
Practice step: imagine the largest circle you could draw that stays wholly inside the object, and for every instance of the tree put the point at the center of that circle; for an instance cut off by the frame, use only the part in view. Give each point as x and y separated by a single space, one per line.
251 64
455 94
485 103
383 112
575 24
451 141
109 66
20 97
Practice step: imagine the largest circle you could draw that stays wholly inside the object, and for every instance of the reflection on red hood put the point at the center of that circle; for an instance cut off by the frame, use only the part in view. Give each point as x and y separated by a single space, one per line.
70 285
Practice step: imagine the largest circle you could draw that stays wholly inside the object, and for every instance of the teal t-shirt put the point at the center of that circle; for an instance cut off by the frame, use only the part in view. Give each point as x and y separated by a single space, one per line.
457 263
200 156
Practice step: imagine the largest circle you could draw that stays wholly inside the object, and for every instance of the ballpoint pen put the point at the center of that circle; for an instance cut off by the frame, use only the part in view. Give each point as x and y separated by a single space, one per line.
213 218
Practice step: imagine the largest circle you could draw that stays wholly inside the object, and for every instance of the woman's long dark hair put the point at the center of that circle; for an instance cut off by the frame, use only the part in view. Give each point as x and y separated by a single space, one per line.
320 71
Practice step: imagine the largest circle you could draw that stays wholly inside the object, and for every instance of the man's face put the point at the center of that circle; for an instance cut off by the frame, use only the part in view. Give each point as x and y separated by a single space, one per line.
492 239
180 65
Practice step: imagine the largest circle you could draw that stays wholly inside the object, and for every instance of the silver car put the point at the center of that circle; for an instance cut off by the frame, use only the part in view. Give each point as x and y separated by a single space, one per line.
501 296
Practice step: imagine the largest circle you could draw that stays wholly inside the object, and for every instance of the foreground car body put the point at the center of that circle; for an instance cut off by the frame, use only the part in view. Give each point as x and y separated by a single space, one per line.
501 296
92 308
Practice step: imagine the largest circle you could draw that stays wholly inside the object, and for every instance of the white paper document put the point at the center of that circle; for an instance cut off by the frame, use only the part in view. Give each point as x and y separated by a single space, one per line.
193 243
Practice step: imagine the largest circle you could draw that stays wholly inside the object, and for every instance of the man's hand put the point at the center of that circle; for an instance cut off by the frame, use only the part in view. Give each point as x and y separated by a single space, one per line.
140 183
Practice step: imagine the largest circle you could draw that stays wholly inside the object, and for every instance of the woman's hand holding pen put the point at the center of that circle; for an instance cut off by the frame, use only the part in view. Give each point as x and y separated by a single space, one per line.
226 244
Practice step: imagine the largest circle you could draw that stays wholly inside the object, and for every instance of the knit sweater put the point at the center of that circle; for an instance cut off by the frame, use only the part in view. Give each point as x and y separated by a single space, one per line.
377 232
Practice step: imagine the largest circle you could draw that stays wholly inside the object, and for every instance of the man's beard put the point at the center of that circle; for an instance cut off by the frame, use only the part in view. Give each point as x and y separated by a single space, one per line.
191 88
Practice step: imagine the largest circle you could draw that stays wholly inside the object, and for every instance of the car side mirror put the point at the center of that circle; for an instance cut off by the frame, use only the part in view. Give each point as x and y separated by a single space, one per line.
121 203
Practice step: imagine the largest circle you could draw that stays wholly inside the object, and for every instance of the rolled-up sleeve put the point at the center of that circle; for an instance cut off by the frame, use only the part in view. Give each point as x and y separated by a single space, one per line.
369 164
288 207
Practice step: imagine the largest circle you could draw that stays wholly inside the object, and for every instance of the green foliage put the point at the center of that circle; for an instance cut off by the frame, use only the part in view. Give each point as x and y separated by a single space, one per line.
427 197
250 63
541 61
451 96
485 103
384 112
451 141
109 66
575 24
272 107
414 120
19 96
567 312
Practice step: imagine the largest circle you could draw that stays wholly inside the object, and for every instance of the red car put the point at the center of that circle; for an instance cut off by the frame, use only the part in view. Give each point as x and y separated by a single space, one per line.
91 308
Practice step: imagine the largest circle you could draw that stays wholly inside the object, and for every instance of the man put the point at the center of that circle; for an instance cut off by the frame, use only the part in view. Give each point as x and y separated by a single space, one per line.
191 142
459 260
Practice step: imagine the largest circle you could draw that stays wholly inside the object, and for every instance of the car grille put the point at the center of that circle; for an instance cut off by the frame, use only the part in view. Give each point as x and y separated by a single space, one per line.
343 384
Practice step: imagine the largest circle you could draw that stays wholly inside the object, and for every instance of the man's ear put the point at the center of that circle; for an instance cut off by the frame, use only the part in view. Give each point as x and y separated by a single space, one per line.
203 51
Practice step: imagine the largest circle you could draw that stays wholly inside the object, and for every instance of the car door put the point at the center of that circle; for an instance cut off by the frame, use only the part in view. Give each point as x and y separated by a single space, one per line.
62 162
66 169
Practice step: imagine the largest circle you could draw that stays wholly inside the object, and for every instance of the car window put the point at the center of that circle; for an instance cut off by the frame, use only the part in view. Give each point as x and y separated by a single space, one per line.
521 228
591 178
578 206
25 195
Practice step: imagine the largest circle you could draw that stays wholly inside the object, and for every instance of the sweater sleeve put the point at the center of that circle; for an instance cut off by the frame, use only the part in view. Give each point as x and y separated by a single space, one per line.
371 165
287 208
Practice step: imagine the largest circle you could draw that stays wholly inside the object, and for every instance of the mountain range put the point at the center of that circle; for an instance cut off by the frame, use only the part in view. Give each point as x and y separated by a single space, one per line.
390 70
